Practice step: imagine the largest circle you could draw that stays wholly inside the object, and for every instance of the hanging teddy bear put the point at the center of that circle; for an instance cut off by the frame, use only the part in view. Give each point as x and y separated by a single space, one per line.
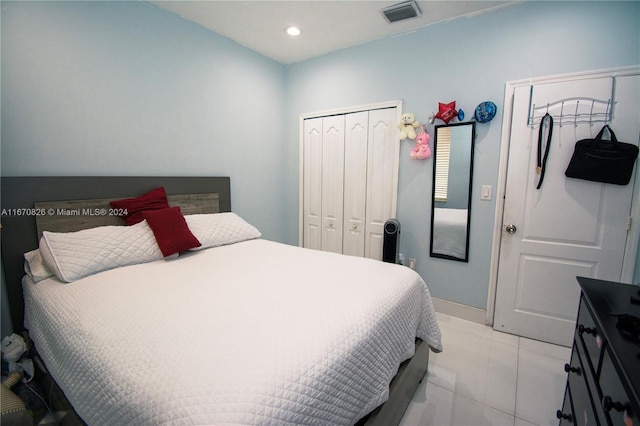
422 149
408 126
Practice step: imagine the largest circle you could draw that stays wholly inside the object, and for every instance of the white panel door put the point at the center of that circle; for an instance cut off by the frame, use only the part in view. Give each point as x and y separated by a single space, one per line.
312 175
382 177
355 182
332 182
568 227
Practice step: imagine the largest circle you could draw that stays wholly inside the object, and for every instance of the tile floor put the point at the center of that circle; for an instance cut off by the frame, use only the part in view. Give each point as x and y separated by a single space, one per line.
485 377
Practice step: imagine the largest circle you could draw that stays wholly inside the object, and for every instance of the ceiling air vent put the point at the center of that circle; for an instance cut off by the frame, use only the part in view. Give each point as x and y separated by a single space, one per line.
401 11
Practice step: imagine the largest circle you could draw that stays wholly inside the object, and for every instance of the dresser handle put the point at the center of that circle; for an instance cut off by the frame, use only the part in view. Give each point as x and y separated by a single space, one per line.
608 404
582 329
560 415
570 369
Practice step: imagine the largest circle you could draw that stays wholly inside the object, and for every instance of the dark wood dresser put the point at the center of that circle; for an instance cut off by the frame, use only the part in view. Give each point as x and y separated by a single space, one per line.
603 382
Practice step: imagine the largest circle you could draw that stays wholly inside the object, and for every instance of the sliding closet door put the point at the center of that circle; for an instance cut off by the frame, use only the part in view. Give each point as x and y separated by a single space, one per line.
332 182
312 176
355 182
382 177
349 179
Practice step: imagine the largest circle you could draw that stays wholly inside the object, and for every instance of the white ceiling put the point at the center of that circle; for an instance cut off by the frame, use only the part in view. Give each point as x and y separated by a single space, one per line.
326 25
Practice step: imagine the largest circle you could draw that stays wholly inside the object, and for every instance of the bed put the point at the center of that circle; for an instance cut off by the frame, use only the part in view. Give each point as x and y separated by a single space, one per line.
238 330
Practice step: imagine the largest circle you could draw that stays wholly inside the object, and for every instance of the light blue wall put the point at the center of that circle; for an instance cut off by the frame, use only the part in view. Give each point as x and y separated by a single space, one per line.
467 60
126 88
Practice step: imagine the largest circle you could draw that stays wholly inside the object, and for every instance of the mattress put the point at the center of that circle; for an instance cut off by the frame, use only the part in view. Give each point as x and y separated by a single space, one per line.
255 332
450 232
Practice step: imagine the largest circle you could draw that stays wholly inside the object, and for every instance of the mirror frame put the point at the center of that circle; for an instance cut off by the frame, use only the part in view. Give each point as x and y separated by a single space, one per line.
433 192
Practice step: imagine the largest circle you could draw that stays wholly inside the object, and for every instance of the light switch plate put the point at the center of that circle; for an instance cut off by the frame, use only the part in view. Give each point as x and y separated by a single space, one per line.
485 193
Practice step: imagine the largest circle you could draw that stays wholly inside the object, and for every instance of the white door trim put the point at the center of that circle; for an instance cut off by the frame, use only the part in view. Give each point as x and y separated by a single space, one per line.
632 246
347 110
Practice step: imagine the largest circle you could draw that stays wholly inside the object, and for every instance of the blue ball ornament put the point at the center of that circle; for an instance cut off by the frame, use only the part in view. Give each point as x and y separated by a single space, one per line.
485 112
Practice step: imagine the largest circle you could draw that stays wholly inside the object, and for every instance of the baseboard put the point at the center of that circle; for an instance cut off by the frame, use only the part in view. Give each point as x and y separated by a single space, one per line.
459 310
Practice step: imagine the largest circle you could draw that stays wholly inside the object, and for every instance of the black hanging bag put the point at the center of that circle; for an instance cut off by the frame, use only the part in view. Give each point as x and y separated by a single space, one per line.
599 160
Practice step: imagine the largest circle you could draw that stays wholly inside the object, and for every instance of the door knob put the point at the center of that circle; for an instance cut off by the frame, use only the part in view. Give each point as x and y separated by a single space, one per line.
511 229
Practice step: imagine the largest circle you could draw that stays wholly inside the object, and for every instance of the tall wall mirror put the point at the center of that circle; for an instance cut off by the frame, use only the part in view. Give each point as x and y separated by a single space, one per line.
451 196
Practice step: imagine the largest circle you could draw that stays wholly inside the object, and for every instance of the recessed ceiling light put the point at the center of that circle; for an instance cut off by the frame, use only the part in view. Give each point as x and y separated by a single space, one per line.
293 31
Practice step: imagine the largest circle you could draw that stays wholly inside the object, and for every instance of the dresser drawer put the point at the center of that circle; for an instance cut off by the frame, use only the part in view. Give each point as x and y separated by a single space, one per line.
591 337
615 400
584 412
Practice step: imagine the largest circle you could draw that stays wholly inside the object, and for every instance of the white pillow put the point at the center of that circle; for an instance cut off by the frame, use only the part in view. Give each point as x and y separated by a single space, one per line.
34 266
219 229
74 255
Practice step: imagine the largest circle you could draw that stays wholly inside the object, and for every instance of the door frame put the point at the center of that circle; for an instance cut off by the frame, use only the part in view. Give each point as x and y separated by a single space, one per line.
632 246
397 104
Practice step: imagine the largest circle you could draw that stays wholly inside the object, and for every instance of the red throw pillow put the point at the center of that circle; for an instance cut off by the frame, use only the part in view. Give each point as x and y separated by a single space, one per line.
153 200
171 230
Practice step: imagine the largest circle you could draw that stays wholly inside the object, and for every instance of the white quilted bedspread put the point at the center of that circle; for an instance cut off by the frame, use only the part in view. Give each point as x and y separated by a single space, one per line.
250 333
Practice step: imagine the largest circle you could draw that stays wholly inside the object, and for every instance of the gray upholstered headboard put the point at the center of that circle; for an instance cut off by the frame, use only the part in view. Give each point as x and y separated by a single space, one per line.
19 195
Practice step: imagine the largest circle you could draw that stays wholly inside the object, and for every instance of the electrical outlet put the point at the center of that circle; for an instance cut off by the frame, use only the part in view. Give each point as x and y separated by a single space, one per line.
412 263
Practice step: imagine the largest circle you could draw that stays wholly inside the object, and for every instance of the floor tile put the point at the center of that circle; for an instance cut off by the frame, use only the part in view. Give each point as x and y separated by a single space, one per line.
541 383
485 377
555 351
520 422
443 407
476 363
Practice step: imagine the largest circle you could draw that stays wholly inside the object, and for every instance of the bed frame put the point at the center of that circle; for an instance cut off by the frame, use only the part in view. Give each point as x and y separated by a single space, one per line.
22 197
